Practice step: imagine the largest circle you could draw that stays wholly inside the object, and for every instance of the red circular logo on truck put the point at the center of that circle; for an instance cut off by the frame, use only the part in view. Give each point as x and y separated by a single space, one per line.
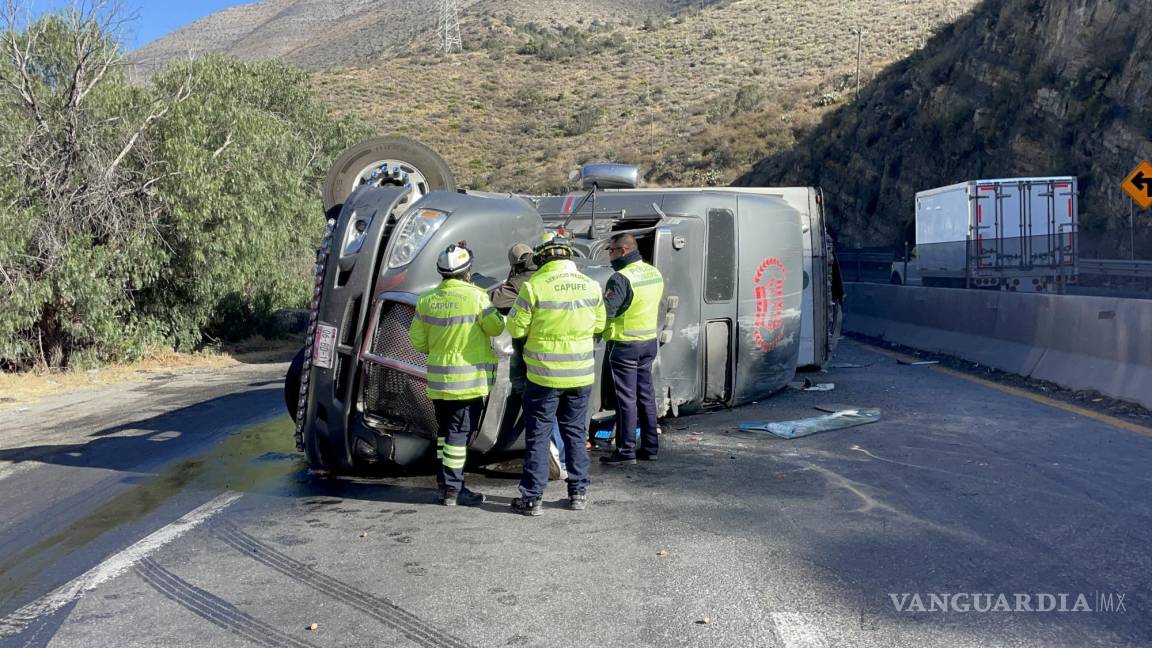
769 281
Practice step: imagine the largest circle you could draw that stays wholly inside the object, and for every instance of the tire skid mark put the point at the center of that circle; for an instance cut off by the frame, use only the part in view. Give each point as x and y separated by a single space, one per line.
212 608
381 609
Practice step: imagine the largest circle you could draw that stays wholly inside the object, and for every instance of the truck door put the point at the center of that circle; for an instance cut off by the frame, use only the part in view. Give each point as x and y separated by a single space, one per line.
1066 225
1000 217
1052 224
677 367
718 295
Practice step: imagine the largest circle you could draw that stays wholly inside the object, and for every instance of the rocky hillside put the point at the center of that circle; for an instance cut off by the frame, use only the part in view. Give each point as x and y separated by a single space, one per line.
323 34
1017 88
694 99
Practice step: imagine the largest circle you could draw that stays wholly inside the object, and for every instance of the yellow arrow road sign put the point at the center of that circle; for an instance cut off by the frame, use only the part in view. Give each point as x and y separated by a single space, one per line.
1138 185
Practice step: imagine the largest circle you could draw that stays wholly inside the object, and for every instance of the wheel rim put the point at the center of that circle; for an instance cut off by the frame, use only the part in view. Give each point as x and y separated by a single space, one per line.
415 177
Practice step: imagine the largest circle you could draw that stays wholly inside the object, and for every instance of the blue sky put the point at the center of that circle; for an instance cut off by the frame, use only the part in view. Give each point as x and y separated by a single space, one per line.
153 18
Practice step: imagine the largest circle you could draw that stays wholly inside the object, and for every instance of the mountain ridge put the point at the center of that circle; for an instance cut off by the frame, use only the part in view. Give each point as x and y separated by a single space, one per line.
358 31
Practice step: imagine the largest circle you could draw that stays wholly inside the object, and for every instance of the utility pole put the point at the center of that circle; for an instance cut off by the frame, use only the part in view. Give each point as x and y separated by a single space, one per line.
859 52
859 45
448 26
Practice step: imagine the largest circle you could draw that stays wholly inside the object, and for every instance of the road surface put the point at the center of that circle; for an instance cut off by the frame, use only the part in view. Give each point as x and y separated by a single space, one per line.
200 526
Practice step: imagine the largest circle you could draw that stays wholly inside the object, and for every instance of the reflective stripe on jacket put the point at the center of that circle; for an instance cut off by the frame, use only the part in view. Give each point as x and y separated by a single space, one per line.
638 323
452 325
558 310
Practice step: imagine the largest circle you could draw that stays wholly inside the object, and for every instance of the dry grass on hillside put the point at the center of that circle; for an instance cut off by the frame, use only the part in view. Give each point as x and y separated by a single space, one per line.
694 99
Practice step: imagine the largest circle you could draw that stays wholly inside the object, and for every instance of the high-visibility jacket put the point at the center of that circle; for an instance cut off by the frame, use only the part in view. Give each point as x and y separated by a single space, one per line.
452 325
558 310
638 322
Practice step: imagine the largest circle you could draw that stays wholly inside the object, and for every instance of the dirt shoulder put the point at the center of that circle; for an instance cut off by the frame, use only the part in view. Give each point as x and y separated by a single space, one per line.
18 390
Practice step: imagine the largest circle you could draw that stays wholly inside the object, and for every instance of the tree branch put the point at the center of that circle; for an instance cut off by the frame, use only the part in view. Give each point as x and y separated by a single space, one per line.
182 94
227 142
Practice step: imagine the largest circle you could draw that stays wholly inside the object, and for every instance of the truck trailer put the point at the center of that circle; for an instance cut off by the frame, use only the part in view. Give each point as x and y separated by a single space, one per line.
752 292
1011 234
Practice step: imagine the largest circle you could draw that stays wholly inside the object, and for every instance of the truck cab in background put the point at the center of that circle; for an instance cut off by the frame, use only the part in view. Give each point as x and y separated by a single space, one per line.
905 271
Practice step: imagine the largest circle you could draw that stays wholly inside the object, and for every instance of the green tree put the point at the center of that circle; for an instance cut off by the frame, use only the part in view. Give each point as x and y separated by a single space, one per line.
139 215
241 211
77 241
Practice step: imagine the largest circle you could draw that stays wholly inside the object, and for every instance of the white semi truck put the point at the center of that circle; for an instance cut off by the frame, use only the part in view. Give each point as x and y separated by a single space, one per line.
1012 234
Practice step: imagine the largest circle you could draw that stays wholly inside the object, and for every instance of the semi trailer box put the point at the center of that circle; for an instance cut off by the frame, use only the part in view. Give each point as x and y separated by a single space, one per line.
1015 233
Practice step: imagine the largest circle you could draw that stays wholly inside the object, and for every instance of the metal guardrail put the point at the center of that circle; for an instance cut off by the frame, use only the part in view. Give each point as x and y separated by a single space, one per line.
1116 267
855 256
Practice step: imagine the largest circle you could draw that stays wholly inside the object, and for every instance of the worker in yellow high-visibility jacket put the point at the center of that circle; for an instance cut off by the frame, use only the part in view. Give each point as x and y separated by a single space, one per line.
557 312
632 299
452 325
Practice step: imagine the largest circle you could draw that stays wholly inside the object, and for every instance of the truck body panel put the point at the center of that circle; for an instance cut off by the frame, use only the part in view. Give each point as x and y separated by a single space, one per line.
820 317
731 322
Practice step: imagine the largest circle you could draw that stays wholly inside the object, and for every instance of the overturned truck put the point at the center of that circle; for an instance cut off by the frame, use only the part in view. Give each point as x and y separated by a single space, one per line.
752 293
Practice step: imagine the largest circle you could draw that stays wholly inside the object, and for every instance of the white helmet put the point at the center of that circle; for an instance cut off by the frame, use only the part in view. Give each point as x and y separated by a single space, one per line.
455 260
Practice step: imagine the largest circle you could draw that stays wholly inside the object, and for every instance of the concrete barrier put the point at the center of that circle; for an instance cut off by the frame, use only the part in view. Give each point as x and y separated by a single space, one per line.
1078 342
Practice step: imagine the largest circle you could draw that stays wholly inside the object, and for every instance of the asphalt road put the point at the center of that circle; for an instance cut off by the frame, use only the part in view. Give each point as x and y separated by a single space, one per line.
201 527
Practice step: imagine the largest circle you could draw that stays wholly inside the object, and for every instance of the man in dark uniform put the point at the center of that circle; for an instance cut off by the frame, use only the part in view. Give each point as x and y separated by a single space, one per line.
632 303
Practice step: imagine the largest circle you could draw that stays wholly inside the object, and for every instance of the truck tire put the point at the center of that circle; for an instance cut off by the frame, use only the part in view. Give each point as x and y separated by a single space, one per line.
292 383
427 170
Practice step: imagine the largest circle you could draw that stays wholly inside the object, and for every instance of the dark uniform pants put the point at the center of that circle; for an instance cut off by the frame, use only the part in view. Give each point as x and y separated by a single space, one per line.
457 420
631 364
569 408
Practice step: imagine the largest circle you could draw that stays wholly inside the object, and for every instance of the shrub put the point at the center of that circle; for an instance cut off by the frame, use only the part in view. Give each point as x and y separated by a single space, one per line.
582 121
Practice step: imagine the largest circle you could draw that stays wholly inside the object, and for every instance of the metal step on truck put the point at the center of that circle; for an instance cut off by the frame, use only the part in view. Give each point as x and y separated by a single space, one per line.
1014 234
752 292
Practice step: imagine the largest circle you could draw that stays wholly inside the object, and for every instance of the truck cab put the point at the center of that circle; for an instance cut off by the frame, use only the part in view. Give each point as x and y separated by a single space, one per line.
749 297
905 271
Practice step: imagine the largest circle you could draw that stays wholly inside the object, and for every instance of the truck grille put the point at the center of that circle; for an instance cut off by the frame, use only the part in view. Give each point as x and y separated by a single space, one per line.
393 397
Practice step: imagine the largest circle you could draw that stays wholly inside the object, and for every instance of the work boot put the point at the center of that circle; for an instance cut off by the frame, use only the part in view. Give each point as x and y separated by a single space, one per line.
646 456
527 506
577 501
469 498
446 498
617 459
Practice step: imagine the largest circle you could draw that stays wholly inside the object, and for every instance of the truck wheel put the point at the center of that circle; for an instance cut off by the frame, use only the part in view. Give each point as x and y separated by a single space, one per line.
292 384
426 170
895 279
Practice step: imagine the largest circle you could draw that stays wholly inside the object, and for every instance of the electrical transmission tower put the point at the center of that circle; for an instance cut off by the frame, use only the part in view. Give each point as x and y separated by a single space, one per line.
448 26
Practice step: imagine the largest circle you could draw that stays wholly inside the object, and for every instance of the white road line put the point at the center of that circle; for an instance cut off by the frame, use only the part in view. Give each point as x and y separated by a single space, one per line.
112 567
797 631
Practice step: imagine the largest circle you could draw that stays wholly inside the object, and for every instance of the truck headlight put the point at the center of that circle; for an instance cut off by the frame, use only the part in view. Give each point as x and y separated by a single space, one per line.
415 232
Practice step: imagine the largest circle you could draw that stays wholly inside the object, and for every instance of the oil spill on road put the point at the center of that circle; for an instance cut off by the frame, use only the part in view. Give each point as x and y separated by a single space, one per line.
255 459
